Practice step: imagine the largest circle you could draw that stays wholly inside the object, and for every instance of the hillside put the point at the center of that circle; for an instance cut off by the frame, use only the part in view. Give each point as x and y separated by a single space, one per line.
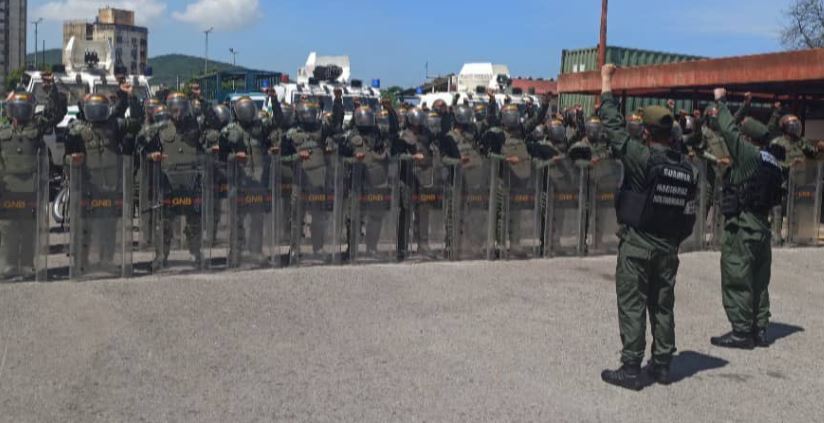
166 68
53 56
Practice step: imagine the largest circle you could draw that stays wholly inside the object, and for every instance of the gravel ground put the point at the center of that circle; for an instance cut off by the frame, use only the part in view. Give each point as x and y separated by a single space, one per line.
517 341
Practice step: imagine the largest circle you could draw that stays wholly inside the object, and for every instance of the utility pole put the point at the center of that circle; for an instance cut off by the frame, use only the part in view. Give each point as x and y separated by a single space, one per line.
234 63
36 24
206 57
602 44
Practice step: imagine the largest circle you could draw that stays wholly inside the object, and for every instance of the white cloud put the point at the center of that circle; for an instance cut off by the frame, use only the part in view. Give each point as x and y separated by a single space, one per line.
220 14
145 10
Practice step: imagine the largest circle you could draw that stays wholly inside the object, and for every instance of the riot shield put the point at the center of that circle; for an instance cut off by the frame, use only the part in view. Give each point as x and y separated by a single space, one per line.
566 212
24 218
472 209
604 182
217 228
181 211
521 206
698 240
422 235
100 216
804 204
252 212
374 211
316 211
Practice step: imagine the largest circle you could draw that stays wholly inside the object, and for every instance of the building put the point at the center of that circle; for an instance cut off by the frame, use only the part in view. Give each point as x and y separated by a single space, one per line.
12 37
586 60
129 42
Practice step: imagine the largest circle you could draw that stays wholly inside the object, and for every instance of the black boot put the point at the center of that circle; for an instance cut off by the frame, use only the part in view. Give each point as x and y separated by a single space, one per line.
734 340
628 376
759 336
659 373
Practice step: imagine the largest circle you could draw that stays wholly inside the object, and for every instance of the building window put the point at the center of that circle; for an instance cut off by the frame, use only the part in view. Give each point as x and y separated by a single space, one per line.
119 39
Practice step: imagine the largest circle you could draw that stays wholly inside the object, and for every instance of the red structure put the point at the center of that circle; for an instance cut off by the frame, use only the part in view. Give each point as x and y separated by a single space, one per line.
796 75
540 86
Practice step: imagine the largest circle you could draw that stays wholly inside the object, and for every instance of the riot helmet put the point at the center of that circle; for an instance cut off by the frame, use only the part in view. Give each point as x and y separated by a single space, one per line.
179 106
481 111
416 118
463 114
711 114
538 134
434 122
594 129
635 126
308 112
364 117
288 112
221 115
21 107
382 121
688 124
246 110
96 108
557 131
161 114
197 106
511 116
150 105
791 125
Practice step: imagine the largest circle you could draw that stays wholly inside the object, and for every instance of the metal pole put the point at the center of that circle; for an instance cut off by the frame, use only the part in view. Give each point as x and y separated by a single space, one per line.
206 57
234 63
602 45
36 25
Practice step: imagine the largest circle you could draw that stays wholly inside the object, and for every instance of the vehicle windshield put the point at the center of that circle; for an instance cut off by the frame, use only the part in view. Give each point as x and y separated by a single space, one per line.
141 91
74 92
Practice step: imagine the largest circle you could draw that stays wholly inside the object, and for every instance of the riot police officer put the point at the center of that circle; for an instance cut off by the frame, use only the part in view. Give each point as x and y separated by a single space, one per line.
21 147
656 208
314 145
177 148
419 176
252 140
370 150
100 143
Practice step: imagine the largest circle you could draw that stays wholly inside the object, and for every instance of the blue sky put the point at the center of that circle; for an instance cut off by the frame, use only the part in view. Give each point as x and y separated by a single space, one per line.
393 39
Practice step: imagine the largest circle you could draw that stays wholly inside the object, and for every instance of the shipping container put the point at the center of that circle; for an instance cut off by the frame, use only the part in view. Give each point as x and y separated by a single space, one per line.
586 60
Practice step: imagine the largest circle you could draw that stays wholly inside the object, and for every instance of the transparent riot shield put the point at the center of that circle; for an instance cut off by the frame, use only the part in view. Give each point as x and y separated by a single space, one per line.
566 211
472 209
316 211
144 205
698 240
100 216
217 227
182 209
252 208
804 204
422 217
374 211
24 218
604 182
520 217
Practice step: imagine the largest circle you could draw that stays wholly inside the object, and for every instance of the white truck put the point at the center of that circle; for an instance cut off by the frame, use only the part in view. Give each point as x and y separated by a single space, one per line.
319 78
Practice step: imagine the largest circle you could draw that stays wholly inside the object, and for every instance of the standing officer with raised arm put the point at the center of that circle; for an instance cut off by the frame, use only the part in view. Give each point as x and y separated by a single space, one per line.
656 208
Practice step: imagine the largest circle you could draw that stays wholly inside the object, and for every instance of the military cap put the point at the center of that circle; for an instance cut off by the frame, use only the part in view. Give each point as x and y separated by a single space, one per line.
658 117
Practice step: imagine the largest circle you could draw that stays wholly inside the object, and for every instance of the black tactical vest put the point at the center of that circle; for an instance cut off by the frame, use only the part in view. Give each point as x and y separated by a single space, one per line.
758 194
666 206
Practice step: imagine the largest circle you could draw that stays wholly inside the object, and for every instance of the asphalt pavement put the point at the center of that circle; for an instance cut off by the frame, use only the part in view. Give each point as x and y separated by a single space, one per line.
441 342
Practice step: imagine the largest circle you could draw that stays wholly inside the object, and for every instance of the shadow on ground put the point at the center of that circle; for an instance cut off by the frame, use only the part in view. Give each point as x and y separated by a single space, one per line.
778 331
689 363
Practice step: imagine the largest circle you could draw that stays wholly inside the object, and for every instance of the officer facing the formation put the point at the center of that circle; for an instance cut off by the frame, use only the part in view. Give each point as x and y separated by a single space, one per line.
177 146
751 188
21 143
100 142
252 141
656 208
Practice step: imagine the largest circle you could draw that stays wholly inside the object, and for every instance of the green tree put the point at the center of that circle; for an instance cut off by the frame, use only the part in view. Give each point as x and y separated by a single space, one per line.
14 77
393 93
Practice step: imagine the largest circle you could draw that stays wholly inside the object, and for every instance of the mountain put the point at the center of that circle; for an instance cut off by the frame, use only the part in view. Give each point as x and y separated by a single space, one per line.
166 68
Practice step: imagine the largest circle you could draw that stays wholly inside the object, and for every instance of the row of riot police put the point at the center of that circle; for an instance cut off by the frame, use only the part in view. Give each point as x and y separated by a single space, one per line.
173 183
